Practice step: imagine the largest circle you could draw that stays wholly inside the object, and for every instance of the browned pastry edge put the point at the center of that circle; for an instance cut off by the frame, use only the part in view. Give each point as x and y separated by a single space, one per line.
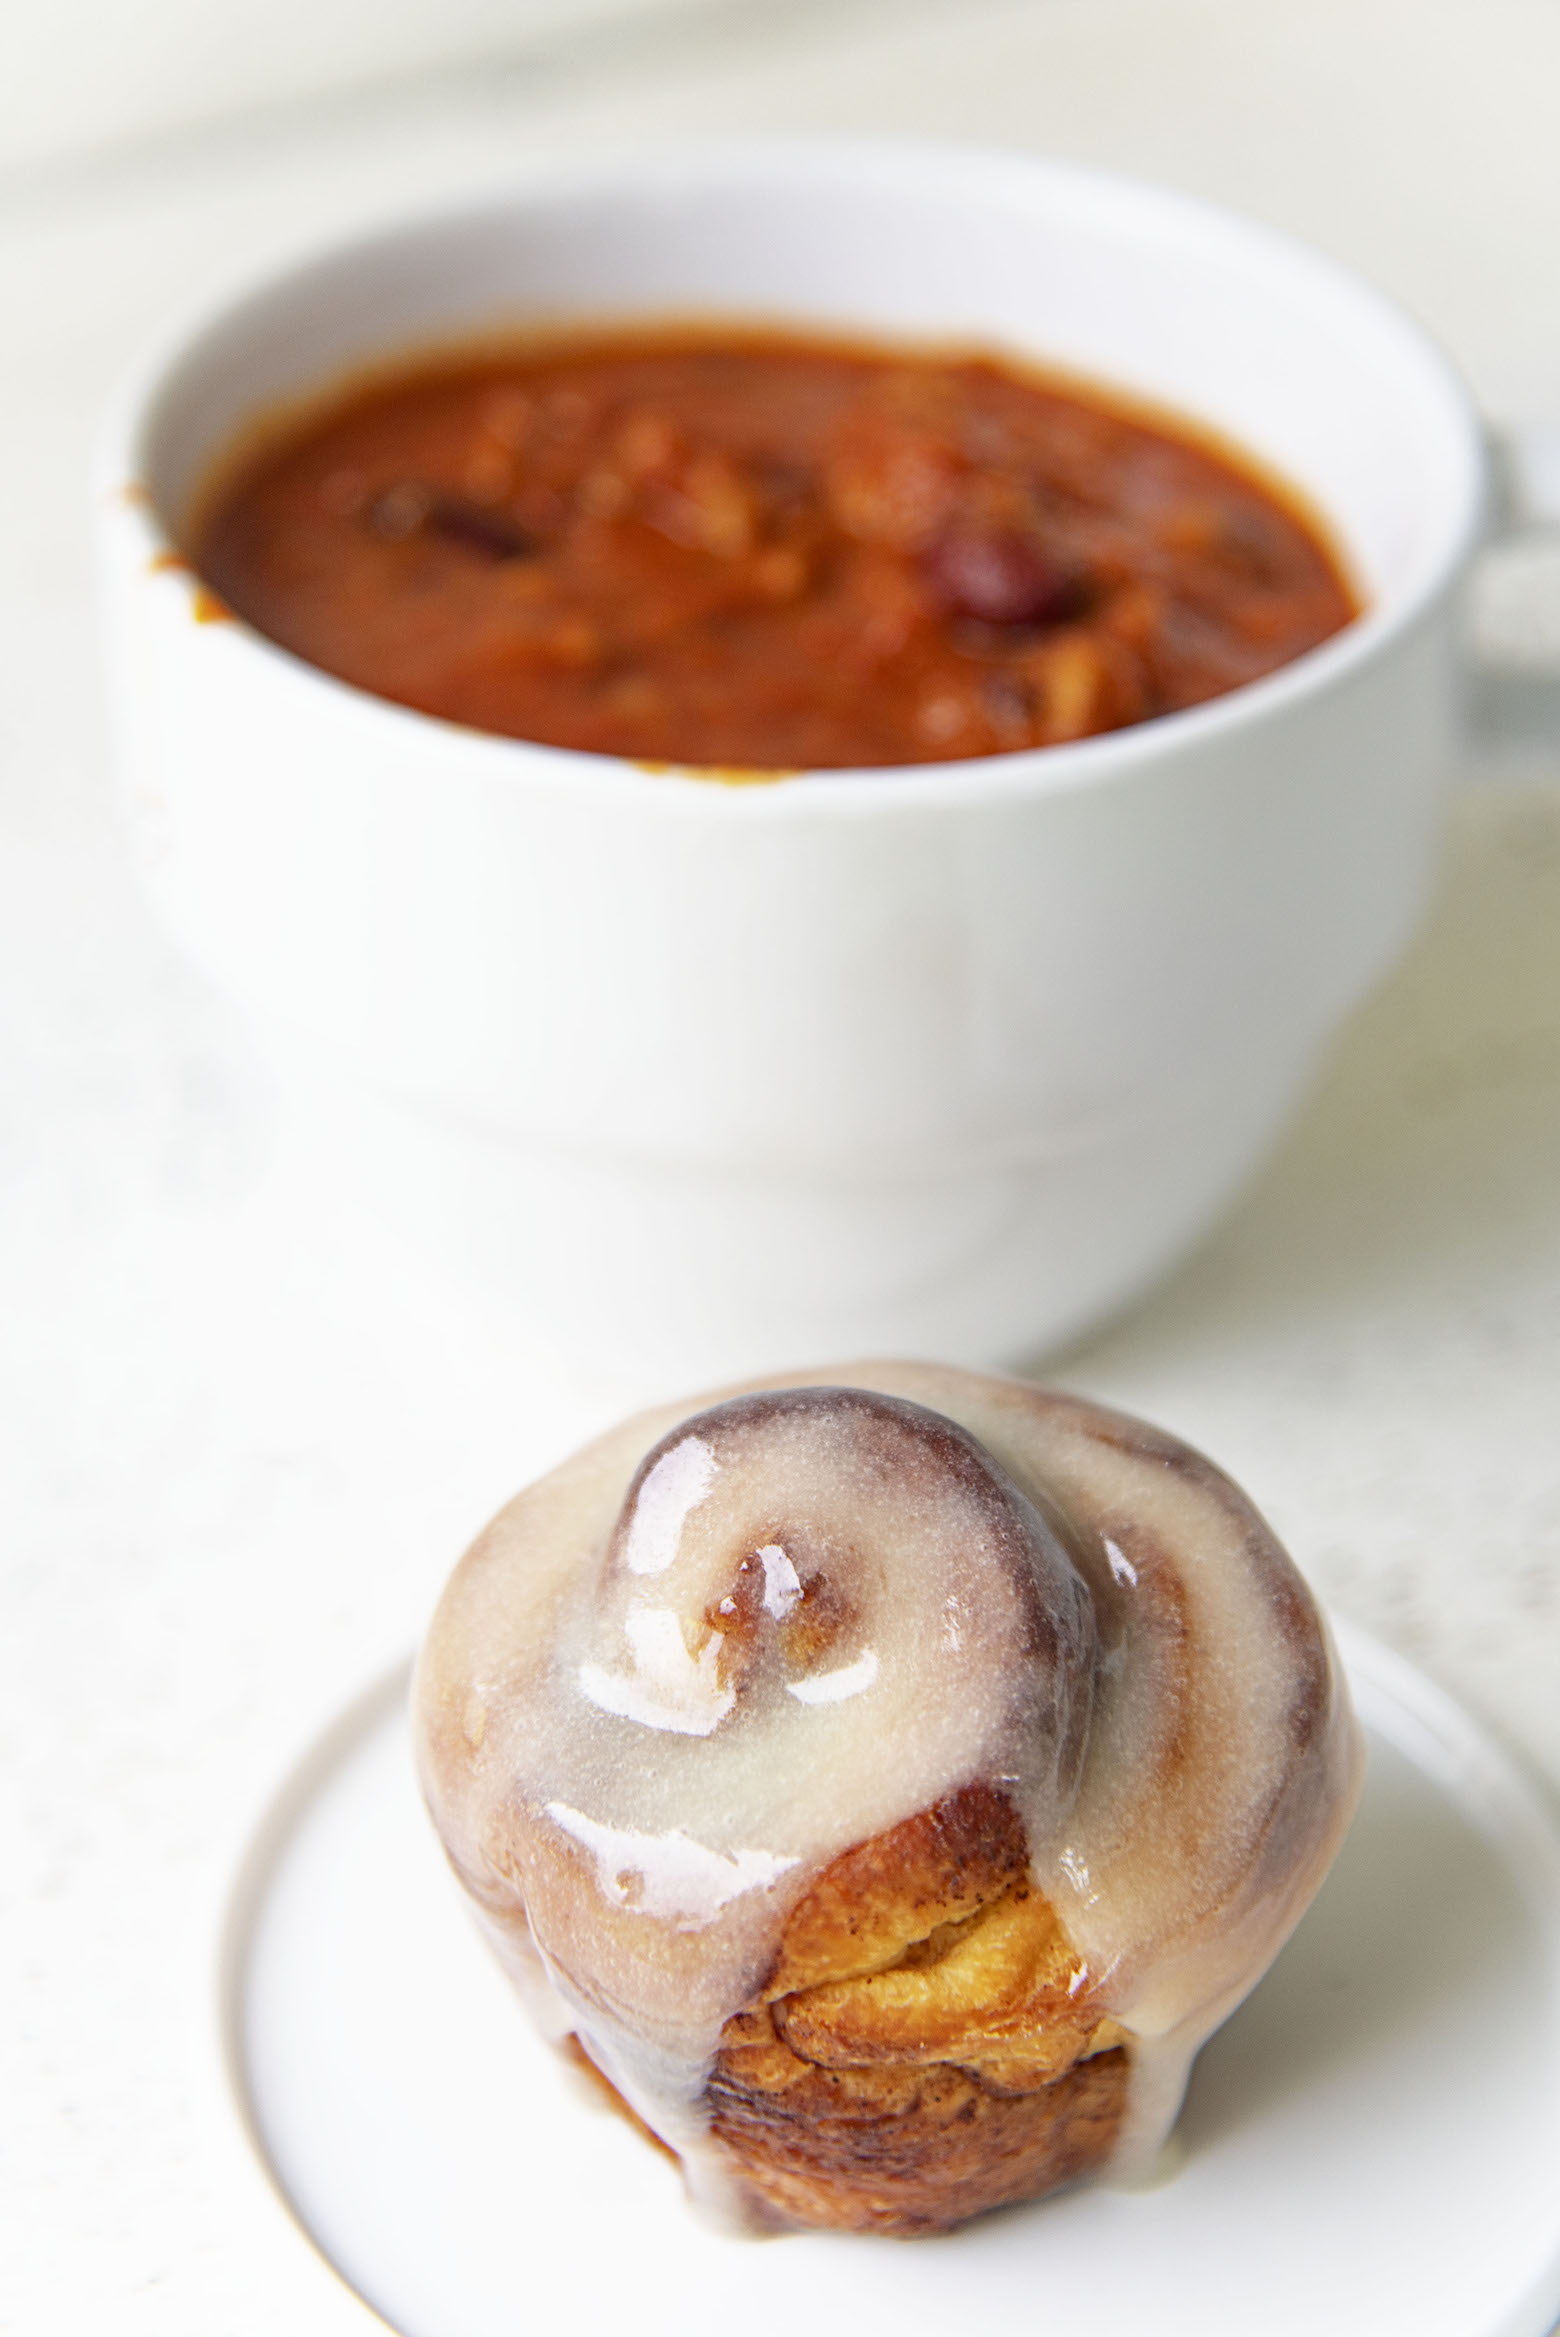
867 2150
927 2045
925 2048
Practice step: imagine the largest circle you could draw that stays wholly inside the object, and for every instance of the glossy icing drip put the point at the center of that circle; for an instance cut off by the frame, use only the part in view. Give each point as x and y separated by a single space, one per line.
684 1672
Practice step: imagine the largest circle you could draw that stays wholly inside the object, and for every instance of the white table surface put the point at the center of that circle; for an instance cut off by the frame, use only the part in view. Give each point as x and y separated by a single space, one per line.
243 1444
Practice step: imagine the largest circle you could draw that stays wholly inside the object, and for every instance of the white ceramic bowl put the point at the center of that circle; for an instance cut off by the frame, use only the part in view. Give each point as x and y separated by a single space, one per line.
951 1059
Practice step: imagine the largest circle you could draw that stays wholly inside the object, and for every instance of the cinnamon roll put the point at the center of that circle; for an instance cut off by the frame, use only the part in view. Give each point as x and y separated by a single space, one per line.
890 1777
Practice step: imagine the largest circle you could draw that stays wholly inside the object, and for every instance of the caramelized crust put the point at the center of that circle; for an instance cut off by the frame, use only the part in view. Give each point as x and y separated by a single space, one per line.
873 1902
929 2044
917 2151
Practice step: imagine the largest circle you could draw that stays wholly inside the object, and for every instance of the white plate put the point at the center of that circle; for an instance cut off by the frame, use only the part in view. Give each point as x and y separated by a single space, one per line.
1371 2145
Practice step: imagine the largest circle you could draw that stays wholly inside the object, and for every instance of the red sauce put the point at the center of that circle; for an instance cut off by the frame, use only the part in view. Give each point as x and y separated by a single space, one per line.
765 552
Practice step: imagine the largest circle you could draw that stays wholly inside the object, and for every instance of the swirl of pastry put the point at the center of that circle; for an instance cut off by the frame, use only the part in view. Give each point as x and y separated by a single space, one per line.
888 1782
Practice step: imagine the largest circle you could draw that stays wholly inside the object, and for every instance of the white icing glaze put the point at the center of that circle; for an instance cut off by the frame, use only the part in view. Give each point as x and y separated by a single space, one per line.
678 1676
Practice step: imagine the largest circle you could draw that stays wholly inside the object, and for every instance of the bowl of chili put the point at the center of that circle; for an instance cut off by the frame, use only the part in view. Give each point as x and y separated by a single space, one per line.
647 688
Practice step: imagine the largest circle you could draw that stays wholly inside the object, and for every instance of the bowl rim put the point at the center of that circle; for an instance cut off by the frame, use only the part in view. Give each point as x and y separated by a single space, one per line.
659 167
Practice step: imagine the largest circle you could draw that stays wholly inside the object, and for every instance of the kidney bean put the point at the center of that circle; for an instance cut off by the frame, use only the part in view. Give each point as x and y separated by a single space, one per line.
999 575
412 509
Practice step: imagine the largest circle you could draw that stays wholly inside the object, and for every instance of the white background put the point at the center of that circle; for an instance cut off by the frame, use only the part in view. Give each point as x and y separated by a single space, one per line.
244 1441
